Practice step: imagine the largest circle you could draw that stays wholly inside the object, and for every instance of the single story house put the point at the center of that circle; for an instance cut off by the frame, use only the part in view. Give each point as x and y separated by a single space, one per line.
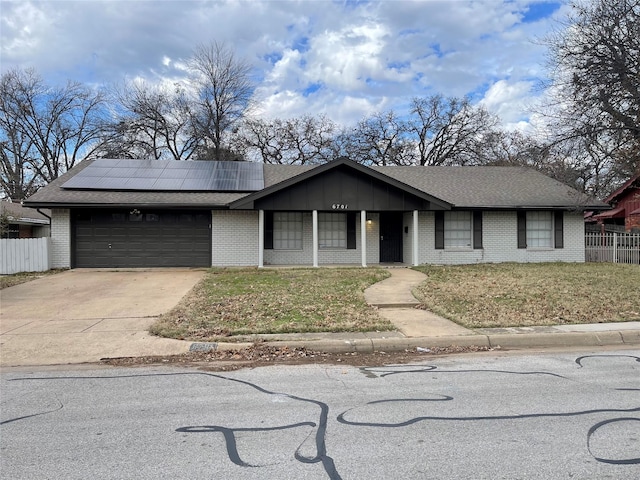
626 207
21 222
140 213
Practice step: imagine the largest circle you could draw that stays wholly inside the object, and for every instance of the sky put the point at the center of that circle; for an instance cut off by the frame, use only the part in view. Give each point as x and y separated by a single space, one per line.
342 59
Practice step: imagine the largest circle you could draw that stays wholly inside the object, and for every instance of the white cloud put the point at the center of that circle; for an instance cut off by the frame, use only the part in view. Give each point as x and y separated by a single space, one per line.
341 59
511 101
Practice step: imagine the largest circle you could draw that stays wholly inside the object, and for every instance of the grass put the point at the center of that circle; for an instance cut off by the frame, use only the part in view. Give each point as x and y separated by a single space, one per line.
7 281
506 295
230 302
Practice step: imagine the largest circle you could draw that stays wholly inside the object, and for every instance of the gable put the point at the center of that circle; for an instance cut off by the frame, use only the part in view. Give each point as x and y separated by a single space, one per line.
341 185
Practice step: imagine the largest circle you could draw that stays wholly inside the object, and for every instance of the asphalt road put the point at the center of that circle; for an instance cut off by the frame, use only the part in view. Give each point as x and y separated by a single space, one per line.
481 416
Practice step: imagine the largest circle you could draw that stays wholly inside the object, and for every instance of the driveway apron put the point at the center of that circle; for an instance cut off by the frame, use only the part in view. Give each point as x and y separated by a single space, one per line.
85 315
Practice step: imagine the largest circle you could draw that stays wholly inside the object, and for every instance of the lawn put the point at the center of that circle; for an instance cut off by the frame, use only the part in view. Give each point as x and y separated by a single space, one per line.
230 302
503 295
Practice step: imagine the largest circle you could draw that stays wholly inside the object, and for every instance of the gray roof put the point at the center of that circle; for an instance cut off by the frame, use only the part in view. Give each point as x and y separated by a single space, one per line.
53 195
23 215
492 187
462 187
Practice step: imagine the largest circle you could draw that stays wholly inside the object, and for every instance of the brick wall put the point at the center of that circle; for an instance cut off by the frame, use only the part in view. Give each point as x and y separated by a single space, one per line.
235 242
632 223
328 256
234 238
499 238
60 238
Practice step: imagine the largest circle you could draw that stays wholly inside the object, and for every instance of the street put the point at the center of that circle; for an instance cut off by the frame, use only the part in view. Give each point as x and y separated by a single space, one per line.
490 415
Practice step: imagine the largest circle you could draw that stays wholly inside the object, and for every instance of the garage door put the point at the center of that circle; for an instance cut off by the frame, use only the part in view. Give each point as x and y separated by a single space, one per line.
141 238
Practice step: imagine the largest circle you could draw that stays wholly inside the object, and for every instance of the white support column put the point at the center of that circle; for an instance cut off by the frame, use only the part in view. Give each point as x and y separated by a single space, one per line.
363 236
315 238
260 238
415 238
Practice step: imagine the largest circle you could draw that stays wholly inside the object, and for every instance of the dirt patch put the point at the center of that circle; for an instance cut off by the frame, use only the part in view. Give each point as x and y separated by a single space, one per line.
259 355
7 281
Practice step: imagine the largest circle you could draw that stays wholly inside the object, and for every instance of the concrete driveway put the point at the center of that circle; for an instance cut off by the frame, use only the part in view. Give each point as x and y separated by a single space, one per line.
83 315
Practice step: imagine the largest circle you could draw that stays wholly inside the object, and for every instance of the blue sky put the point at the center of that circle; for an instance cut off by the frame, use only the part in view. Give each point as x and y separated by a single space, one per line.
343 59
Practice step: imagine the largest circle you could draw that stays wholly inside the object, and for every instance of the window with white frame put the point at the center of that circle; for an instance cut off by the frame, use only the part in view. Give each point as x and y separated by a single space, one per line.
457 230
332 230
539 230
287 230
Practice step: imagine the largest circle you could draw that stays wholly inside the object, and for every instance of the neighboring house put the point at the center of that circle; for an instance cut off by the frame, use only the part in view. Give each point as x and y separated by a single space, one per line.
135 213
626 207
21 222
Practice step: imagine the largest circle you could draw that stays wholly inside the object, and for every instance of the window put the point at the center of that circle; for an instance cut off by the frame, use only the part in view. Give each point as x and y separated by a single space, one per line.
539 230
457 230
287 230
11 230
332 230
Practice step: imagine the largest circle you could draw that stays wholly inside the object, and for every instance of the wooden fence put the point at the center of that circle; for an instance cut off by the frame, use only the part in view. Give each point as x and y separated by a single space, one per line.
25 255
612 247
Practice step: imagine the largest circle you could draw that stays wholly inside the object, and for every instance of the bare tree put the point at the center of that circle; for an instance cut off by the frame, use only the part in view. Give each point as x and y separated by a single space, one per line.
446 130
299 140
594 60
223 93
44 130
380 139
152 122
501 147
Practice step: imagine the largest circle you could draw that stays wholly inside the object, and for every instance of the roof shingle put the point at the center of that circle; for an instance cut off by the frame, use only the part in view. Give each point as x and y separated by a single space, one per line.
463 187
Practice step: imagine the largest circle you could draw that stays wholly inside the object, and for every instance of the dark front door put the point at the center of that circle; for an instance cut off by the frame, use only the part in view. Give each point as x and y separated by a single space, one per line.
390 237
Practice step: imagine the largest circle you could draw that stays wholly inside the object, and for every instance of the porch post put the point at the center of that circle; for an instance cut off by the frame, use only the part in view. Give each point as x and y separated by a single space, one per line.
363 236
415 238
315 238
260 238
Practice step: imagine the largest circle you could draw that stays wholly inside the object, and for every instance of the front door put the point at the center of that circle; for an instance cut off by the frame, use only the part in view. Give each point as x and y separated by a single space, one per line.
390 237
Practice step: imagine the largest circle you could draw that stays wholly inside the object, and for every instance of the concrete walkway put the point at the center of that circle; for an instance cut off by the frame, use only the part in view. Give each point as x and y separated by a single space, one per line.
394 297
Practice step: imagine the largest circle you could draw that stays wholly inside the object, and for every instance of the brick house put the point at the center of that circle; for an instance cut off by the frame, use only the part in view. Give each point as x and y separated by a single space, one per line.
21 222
626 207
138 213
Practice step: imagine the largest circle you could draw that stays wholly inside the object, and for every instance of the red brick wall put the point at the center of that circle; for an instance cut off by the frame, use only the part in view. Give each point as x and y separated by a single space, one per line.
25 231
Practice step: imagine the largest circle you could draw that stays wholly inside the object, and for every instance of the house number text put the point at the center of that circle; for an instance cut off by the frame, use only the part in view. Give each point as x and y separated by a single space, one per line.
340 206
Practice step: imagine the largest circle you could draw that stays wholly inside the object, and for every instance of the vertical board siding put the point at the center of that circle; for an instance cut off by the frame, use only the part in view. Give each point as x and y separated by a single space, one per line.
25 255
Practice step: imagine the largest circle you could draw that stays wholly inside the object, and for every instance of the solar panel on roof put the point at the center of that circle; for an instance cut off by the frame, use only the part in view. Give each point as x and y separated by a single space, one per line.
168 184
114 174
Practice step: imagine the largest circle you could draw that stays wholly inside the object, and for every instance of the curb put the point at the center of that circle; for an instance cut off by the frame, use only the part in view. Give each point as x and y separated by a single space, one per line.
503 341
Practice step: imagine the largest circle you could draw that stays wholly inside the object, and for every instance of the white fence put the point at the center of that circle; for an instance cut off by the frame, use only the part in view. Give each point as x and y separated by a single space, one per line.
612 247
25 255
